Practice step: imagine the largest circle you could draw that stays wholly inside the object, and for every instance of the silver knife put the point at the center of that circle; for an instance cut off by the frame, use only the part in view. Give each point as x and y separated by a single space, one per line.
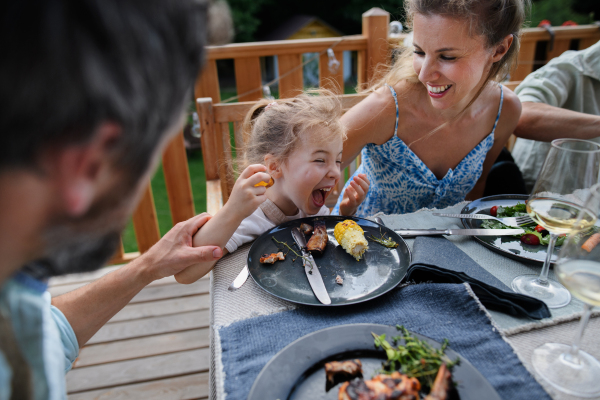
311 269
473 232
239 281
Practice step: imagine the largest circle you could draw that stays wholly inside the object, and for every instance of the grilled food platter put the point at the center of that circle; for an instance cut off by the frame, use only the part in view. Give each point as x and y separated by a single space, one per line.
378 271
305 376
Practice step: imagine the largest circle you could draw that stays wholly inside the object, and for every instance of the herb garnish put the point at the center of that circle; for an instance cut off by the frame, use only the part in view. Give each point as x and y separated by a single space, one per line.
382 240
293 251
415 359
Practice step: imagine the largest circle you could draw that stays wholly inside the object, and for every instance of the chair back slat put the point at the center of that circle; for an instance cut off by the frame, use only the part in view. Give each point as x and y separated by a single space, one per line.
225 160
248 78
559 47
526 60
145 222
208 137
291 82
239 135
177 180
207 85
333 81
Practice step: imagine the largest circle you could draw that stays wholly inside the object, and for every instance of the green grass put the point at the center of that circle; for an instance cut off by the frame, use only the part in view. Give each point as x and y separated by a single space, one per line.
161 200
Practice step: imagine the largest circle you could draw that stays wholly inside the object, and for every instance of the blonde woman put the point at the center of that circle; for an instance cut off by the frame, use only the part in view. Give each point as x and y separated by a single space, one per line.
432 128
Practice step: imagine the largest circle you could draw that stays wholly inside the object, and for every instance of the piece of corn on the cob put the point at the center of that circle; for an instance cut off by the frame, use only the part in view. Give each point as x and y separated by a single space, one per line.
266 184
351 237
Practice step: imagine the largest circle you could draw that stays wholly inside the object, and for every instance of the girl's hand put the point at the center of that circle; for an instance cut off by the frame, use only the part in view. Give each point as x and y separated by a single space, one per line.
354 194
245 196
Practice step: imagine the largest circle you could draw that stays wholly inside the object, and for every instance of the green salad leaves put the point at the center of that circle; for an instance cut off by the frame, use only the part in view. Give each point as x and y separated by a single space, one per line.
518 210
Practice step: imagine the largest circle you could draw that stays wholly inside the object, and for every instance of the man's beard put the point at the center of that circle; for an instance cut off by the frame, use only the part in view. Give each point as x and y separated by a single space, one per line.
86 243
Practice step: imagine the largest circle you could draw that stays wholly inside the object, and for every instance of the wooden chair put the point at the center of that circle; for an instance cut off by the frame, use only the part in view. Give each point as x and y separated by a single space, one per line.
221 125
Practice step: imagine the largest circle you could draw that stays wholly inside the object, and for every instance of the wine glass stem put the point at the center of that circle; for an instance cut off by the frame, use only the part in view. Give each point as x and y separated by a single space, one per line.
543 278
573 355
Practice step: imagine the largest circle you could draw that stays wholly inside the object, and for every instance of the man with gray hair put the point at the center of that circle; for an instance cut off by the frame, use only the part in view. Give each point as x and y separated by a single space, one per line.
91 91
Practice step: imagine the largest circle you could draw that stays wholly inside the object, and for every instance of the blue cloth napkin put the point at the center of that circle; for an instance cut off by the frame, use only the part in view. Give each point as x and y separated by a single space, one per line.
436 259
435 310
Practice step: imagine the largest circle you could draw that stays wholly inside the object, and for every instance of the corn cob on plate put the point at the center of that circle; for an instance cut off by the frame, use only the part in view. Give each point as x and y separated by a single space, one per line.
351 237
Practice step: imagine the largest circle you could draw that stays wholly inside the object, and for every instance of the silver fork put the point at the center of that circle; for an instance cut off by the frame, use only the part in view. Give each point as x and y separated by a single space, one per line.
508 221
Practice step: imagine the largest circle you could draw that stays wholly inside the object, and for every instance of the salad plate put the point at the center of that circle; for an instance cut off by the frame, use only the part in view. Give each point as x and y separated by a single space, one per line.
297 372
510 246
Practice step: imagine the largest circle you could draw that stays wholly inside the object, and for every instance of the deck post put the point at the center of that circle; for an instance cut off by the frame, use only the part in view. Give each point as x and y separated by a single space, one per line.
375 26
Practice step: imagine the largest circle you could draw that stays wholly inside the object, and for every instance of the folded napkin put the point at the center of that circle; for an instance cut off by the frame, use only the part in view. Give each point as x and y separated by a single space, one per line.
439 311
436 259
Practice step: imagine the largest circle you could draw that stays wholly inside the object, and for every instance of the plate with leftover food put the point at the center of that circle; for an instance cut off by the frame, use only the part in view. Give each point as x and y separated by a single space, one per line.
370 261
363 361
529 246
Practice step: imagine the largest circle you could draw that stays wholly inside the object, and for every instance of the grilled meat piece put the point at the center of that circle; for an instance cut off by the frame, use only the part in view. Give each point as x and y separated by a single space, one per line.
337 372
382 387
339 280
318 241
271 258
441 385
306 228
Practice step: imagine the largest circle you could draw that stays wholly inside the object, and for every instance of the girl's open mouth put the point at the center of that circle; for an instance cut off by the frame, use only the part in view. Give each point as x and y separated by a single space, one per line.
320 195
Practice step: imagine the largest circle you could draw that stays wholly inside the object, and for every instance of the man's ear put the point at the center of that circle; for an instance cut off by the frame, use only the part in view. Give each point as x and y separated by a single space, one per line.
84 170
273 166
502 48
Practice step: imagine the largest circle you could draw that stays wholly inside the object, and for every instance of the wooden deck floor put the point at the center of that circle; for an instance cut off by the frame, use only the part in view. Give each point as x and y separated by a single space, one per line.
155 348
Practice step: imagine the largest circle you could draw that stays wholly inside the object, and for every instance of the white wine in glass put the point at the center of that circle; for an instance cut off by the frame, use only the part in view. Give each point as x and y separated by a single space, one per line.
567 368
571 168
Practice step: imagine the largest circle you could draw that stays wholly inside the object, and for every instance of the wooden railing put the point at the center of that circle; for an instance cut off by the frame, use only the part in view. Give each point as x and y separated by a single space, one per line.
373 48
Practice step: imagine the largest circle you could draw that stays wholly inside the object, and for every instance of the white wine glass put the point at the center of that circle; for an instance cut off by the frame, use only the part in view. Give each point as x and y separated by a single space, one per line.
571 168
567 368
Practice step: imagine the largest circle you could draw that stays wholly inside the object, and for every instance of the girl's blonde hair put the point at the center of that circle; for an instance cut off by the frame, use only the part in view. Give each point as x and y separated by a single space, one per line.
492 19
276 127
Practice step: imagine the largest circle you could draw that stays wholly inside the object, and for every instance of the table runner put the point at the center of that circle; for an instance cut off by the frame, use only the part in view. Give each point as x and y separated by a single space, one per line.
523 334
436 310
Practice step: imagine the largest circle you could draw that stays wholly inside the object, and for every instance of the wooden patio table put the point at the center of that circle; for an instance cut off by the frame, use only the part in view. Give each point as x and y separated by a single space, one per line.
523 335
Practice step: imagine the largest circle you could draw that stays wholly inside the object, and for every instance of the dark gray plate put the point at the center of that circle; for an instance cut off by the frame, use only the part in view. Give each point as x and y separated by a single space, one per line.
506 245
297 372
378 272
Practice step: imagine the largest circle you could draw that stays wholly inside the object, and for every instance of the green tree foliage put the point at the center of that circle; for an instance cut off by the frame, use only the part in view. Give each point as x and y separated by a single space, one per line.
254 18
557 12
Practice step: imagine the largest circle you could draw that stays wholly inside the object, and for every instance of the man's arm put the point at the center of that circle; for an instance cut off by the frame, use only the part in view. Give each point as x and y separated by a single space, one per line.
545 123
88 308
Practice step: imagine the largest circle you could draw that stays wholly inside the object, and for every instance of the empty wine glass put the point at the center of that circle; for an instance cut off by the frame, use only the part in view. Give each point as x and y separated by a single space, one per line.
578 267
569 171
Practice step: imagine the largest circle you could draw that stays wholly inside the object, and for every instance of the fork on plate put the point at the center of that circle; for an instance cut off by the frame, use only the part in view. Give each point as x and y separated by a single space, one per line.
509 221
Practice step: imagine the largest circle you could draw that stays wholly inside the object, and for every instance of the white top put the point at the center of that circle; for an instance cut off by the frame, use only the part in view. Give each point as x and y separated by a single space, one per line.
267 216
570 81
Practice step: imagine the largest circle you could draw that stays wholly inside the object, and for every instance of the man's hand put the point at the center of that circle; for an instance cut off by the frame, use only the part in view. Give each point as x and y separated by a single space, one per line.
354 195
174 252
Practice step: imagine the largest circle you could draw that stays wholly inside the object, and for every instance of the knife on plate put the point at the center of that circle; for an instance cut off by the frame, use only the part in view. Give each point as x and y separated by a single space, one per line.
239 280
472 232
311 269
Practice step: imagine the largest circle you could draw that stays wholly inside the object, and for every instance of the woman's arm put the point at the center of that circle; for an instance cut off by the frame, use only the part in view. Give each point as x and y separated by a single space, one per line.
370 121
511 111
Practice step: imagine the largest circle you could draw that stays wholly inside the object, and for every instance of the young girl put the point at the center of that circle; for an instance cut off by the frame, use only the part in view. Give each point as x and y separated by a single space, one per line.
435 124
297 142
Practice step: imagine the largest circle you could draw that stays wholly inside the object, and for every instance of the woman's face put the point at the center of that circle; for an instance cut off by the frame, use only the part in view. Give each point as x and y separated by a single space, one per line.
449 62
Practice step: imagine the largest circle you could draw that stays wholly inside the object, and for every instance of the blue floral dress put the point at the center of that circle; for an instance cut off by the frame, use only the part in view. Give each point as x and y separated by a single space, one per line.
401 183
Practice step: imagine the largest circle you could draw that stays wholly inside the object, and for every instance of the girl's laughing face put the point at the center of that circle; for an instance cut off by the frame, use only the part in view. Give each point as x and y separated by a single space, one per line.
310 173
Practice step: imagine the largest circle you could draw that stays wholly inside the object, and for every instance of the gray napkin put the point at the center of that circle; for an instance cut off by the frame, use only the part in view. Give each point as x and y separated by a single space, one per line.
436 259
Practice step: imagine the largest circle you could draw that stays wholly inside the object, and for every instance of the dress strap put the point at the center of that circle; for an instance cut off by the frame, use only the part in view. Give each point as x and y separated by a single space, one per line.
499 108
398 113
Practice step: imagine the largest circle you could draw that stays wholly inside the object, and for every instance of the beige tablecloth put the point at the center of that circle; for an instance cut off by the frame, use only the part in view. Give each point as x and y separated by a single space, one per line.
523 335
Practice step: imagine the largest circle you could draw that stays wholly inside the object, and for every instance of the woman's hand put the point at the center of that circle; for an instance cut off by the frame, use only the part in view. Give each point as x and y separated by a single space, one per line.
245 196
355 193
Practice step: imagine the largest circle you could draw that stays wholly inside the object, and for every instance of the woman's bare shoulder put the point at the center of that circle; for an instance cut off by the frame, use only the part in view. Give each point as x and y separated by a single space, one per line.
511 111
